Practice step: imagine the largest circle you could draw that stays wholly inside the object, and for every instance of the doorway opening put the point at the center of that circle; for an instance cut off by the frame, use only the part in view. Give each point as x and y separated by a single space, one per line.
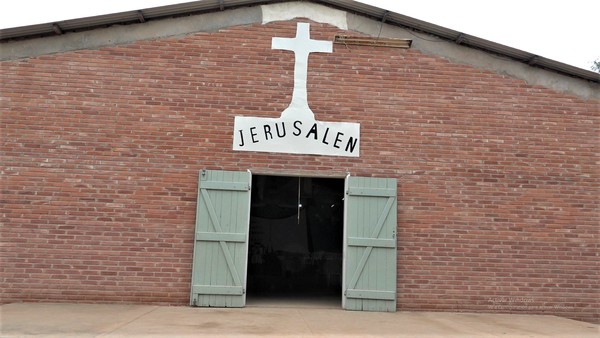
296 239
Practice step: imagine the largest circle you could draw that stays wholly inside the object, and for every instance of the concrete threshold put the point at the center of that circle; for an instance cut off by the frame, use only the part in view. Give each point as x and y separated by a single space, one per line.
272 320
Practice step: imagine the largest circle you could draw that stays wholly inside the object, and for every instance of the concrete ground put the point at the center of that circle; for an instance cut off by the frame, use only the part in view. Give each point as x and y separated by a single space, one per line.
275 320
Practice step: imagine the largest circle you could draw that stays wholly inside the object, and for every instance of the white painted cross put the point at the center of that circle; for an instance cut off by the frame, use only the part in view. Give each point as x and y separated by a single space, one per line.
301 45
297 131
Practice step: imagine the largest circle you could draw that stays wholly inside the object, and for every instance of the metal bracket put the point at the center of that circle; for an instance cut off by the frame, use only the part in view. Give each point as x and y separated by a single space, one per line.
141 17
57 29
532 61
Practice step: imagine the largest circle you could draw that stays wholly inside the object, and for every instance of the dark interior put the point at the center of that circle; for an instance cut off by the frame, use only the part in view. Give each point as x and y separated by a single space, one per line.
296 229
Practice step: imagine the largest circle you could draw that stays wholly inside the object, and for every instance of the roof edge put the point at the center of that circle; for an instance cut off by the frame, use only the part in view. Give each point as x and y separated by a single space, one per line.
376 13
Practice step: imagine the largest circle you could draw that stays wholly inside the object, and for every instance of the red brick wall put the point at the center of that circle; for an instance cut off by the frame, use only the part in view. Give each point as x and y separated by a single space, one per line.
498 181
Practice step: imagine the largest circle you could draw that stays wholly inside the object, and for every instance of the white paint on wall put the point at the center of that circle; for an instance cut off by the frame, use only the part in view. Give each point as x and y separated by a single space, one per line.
297 131
296 136
302 45
291 10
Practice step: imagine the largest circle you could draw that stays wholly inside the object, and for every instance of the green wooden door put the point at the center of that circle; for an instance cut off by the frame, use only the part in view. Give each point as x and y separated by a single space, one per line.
221 241
369 281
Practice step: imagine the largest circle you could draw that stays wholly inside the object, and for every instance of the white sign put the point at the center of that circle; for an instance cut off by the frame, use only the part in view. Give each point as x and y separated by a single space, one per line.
296 136
297 131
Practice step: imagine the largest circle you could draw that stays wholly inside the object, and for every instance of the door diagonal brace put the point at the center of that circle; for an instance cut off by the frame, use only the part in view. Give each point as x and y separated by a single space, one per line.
217 226
368 249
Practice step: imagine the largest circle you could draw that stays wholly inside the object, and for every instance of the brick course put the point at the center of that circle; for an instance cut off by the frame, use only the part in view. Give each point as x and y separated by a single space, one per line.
498 182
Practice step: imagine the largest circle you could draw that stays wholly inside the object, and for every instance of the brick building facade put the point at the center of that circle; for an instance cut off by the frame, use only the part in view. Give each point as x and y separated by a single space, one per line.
496 161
